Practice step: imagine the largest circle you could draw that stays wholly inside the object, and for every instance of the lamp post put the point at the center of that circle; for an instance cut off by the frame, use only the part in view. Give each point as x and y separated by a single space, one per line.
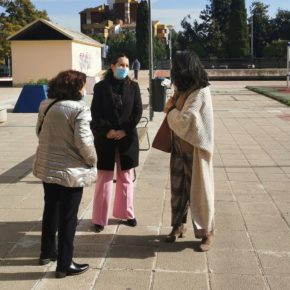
150 51
252 36
288 64
170 48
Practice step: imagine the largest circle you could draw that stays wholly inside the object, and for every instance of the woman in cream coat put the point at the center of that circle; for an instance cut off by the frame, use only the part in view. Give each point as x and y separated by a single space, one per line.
65 162
190 116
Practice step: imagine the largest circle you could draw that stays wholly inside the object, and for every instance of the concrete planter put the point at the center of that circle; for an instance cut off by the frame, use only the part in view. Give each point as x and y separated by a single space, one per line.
30 98
3 115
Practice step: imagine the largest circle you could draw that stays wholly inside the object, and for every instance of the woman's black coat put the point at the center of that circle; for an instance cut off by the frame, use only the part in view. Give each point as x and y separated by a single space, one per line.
105 116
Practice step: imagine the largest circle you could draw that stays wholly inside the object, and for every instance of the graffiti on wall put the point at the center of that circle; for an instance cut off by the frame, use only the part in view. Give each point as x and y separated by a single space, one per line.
84 61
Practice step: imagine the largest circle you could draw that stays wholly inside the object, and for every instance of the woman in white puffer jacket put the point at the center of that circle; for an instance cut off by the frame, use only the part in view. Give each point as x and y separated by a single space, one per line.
65 161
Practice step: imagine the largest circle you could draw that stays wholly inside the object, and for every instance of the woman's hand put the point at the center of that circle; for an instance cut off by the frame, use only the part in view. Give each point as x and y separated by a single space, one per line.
120 134
170 103
111 134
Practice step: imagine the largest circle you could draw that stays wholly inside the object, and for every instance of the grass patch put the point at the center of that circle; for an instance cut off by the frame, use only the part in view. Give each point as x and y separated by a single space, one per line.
280 94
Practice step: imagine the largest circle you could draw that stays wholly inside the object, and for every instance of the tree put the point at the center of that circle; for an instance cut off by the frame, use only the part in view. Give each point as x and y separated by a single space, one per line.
281 25
238 30
192 37
261 27
142 34
159 49
220 13
125 42
16 15
277 48
208 37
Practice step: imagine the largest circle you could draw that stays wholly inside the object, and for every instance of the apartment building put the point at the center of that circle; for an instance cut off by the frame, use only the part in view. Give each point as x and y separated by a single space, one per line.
115 16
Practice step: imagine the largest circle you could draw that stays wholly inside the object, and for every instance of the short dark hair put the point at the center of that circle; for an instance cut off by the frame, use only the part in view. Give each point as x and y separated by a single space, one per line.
188 72
66 85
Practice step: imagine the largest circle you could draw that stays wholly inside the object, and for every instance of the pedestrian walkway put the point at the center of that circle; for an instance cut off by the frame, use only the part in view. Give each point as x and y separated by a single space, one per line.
252 180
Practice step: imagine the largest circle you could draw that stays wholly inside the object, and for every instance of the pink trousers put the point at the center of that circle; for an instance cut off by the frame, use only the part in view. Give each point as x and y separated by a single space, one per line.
123 203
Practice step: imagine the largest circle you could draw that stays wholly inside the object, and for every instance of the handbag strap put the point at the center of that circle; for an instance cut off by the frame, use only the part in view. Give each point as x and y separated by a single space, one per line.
45 112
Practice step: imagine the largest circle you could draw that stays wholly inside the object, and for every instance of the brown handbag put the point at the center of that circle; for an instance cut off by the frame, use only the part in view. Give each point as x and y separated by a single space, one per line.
162 139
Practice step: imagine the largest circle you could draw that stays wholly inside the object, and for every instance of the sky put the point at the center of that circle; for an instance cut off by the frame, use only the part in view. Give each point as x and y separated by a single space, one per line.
66 12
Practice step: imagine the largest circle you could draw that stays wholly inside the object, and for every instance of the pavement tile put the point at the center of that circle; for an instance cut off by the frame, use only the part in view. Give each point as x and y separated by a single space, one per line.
275 263
23 214
229 221
9 202
14 231
180 256
223 187
179 280
287 219
84 281
123 279
244 187
133 257
259 208
231 240
149 218
92 254
279 282
137 236
280 196
223 196
271 241
5 248
226 207
220 174
237 282
277 185
265 223
20 277
233 262
26 250
252 197
90 237
242 176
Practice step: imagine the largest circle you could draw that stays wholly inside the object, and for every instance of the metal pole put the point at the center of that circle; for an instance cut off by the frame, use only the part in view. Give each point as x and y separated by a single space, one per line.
288 64
252 37
151 114
170 48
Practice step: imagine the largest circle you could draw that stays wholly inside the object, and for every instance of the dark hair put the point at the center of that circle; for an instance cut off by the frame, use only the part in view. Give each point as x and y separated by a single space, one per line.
66 85
187 71
109 73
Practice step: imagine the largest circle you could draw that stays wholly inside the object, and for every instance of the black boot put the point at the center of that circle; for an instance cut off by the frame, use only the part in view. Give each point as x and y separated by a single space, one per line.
74 269
131 222
98 228
45 259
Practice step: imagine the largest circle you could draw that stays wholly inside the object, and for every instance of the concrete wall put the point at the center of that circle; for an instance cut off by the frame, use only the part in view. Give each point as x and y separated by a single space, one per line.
86 59
33 60
240 74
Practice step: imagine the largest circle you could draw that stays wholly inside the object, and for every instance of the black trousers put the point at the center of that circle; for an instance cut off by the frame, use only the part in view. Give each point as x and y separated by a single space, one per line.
61 205
136 74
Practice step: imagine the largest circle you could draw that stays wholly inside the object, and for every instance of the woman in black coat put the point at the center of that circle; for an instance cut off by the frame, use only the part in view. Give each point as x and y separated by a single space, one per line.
116 110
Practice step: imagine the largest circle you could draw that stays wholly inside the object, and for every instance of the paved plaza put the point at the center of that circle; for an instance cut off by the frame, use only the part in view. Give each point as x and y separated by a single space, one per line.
252 180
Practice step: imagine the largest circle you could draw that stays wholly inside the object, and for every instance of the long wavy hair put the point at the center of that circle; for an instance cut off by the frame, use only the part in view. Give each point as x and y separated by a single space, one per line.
188 72
67 85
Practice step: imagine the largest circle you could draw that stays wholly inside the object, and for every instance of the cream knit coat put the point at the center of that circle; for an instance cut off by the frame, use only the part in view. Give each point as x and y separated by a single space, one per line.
195 124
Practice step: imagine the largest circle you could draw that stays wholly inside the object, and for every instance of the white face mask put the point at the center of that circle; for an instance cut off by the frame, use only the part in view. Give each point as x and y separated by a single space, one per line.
121 72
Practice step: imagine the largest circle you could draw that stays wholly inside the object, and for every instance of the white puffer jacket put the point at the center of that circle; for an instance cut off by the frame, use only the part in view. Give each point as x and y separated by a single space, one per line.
66 154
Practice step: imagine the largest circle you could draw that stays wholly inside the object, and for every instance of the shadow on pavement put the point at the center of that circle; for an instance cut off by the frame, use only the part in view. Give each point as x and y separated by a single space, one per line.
17 172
